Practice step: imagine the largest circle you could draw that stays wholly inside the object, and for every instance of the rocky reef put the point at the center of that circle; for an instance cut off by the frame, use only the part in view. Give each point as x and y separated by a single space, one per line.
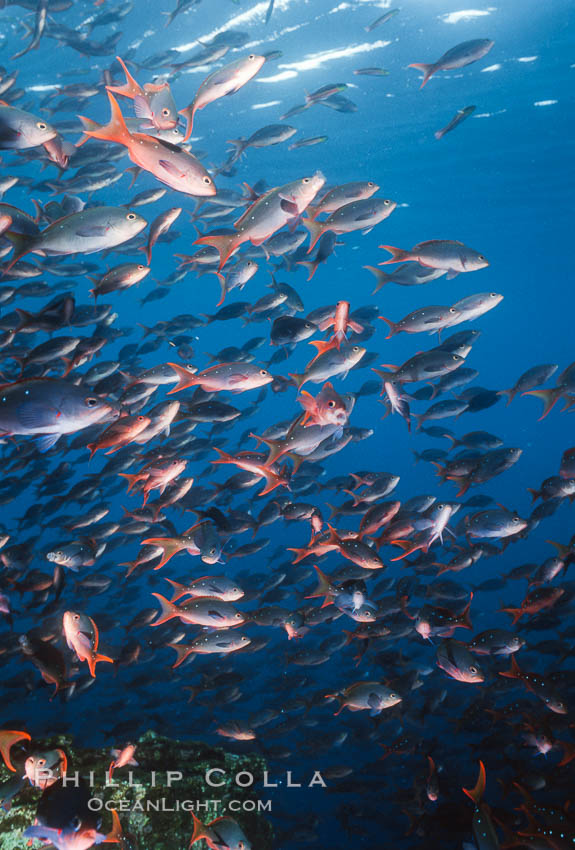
155 814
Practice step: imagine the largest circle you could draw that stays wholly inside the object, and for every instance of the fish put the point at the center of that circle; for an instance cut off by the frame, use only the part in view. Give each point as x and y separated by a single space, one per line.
372 696
49 408
460 116
153 104
448 256
356 215
383 19
64 818
83 637
456 57
268 214
221 82
86 232
21 130
169 163
223 832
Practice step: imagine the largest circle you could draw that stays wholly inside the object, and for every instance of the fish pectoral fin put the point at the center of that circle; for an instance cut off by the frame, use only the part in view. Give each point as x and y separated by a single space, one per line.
451 274
35 416
289 206
171 168
142 107
46 442
92 230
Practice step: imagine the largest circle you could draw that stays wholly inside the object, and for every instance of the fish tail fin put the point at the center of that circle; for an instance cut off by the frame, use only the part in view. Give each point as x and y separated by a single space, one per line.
476 793
8 738
130 88
310 266
22 245
131 566
186 379
170 546
188 114
548 397
180 589
223 292
323 345
132 479
510 395
299 378
381 277
200 831
323 588
89 128
428 69
183 651
315 228
398 255
562 549
465 618
239 146
516 613
391 325
514 672
534 493
117 832
465 484
93 660
115 130
167 611
224 243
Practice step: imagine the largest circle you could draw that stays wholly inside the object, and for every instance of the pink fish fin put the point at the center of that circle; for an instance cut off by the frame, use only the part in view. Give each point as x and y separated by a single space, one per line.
316 229
428 69
130 88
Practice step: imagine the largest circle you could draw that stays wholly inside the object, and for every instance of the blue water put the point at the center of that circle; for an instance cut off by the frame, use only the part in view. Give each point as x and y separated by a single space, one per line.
501 183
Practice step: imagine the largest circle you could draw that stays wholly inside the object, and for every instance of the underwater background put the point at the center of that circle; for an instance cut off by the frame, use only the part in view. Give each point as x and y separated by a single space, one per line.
502 183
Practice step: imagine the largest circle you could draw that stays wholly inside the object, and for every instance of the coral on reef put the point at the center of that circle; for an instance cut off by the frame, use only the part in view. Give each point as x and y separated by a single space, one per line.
153 804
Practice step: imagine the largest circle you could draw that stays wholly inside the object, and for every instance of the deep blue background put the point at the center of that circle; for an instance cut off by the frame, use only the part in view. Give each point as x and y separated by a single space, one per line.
501 183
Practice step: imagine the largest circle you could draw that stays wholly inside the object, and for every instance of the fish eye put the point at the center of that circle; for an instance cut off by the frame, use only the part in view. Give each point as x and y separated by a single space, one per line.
41 762
241 845
244 638
251 57
165 112
238 616
331 403
370 183
452 310
213 550
263 373
76 616
481 257
140 418
473 669
207 180
356 347
76 823
493 295
393 696
41 125
455 357
91 402
386 203
131 216
140 268
305 180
